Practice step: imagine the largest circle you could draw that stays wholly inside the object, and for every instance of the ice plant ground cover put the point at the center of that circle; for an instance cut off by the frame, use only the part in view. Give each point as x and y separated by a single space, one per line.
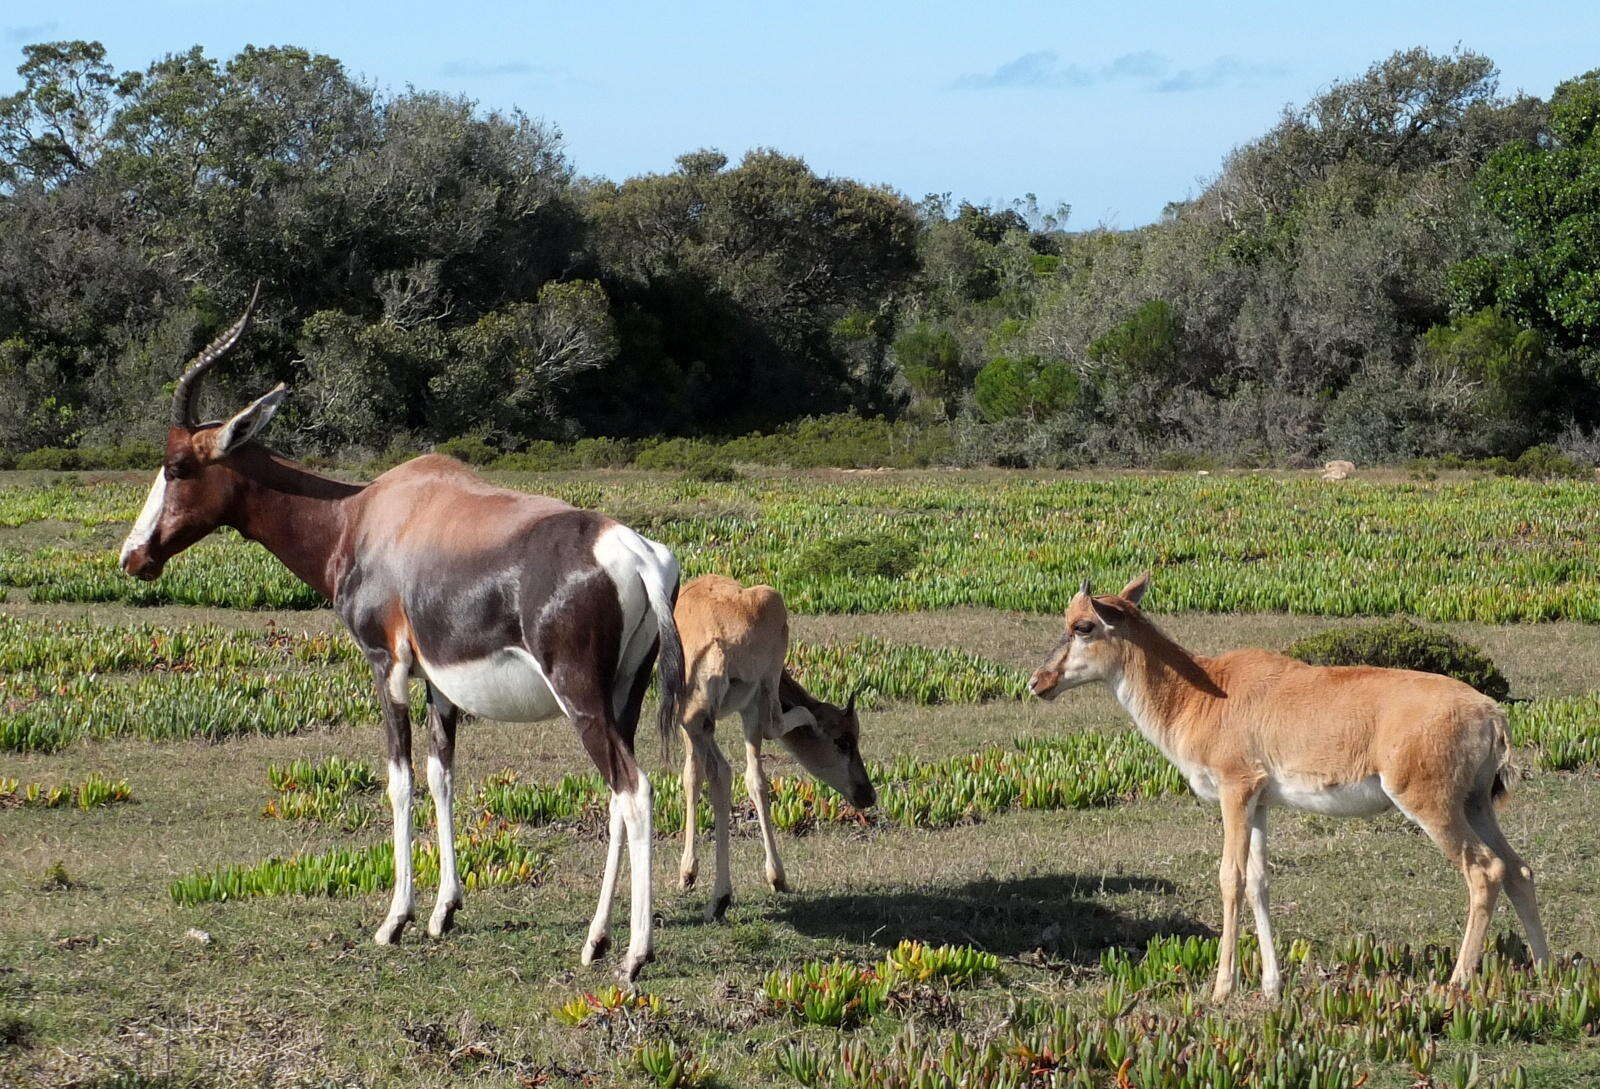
1491 550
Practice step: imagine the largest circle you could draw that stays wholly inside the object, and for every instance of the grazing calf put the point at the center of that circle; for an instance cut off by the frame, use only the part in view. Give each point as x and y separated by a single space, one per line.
1251 729
735 641
506 605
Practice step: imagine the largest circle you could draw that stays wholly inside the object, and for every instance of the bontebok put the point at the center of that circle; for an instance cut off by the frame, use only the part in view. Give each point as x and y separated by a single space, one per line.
1251 730
508 606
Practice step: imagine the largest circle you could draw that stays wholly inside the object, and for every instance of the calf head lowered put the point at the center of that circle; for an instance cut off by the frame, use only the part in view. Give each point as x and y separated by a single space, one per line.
826 740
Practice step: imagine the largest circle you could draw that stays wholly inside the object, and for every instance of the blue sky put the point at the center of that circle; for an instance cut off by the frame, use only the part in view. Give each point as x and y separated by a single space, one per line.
1113 108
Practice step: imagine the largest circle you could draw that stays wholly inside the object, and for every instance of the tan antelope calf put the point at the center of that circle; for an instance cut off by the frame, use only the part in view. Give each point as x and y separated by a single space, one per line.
734 642
1251 729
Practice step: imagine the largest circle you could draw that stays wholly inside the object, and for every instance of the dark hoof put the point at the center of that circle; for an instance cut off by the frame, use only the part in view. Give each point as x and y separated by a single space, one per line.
389 933
594 950
718 908
628 972
439 927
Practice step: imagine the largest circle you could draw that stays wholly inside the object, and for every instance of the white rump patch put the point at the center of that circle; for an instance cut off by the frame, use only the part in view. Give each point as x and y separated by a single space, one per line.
627 557
508 686
1363 798
642 571
145 526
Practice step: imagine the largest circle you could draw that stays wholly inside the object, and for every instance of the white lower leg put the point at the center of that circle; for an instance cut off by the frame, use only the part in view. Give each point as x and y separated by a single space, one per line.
1256 889
689 864
400 806
600 926
444 908
755 781
641 949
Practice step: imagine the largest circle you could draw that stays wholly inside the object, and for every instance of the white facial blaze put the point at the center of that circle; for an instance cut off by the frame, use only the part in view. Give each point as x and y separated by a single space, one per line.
145 527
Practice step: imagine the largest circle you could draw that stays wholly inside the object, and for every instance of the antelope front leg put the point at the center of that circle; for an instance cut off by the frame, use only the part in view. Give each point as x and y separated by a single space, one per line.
397 726
1231 877
442 718
755 781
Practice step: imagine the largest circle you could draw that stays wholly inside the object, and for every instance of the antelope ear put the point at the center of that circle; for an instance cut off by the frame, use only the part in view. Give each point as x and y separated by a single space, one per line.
1109 615
1135 589
248 423
795 718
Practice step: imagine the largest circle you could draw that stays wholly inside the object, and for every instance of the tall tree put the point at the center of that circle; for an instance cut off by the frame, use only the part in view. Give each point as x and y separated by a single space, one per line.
1546 195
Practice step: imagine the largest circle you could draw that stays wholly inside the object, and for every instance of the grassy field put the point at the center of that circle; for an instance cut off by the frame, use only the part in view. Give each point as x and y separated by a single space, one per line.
188 811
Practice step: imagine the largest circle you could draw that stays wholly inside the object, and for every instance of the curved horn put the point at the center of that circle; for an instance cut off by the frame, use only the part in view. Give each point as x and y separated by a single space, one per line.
189 382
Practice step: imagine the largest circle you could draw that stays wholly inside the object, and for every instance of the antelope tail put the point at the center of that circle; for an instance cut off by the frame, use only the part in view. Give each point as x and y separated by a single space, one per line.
661 587
1504 771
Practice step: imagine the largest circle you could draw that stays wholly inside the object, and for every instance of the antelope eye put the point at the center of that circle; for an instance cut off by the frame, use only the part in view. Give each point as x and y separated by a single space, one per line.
1083 627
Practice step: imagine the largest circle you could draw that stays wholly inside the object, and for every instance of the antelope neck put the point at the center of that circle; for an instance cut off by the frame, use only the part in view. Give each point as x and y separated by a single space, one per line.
297 515
1161 682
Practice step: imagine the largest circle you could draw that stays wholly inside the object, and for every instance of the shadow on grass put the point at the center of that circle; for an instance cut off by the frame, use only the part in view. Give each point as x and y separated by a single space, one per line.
1058 912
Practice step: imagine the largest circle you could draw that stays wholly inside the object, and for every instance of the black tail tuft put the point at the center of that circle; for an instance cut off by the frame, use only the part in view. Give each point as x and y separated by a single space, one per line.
670 664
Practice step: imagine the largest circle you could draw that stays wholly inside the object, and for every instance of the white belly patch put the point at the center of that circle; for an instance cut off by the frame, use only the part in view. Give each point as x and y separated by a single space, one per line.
1201 781
508 686
1363 798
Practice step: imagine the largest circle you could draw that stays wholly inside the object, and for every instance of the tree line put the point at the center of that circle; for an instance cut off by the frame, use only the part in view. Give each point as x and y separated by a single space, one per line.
1407 265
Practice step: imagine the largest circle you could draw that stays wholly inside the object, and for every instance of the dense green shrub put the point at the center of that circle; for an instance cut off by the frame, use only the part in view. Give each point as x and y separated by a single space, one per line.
930 359
846 442
539 456
675 454
134 455
1146 345
1403 644
1538 463
713 470
603 453
472 449
857 555
1183 461
49 457
1028 386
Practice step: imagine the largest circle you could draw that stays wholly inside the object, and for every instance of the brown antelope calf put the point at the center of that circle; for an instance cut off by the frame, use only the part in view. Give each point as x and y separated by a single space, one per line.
734 643
1251 729
509 606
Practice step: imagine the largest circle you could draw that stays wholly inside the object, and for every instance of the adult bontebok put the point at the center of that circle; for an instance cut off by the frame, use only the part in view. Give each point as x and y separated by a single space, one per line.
1251 729
734 643
508 606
